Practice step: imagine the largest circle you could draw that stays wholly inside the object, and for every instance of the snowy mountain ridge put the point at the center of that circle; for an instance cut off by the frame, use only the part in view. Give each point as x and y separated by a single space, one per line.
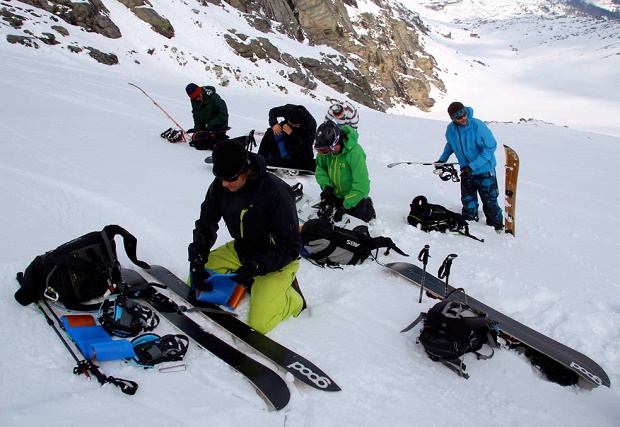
470 45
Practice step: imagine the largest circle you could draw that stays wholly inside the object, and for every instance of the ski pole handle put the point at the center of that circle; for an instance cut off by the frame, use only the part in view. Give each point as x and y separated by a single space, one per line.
423 256
444 270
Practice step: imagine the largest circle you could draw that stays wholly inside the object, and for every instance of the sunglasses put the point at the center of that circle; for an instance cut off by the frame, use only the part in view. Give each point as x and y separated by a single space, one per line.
459 114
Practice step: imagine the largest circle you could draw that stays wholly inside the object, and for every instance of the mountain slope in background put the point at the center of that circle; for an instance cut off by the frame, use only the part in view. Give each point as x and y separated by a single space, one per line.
481 52
81 149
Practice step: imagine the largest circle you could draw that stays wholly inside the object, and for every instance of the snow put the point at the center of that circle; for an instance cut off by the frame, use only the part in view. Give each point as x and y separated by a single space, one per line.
81 150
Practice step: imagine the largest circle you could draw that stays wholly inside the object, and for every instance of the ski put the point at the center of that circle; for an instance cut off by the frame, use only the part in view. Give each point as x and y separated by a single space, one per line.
391 165
515 333
298 366
512 173
269 384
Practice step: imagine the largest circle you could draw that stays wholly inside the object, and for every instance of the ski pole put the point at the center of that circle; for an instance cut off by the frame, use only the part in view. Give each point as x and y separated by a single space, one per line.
444 271
79 369
391 165
85 366
164 111
423 257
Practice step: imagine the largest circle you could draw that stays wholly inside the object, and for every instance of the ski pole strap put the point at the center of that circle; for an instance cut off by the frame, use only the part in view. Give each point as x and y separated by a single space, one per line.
126 386
444 270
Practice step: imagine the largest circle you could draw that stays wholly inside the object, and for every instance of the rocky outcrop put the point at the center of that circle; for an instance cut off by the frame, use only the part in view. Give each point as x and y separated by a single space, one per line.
375 58
158 23
91 15
383 48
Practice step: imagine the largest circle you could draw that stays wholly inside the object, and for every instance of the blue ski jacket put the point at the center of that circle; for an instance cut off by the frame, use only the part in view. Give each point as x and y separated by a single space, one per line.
473 145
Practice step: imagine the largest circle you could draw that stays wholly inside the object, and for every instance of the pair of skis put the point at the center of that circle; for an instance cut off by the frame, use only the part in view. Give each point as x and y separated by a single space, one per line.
267 382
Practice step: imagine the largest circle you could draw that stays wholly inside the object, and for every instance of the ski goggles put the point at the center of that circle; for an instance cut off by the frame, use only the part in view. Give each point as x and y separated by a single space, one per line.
459 114
329 148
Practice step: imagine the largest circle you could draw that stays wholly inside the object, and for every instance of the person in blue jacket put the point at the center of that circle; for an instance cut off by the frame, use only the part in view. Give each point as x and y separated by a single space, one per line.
473 144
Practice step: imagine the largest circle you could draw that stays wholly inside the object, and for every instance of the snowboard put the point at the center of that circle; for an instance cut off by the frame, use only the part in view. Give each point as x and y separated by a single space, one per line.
281 172
288 172
512 173
519 336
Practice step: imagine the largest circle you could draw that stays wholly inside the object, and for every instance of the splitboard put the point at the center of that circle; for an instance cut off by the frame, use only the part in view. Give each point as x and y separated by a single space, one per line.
512 173
589 372
281 172
267 383
300 367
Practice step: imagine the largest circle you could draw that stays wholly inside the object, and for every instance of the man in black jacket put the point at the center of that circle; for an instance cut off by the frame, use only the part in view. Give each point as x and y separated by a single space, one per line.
260 214
288 143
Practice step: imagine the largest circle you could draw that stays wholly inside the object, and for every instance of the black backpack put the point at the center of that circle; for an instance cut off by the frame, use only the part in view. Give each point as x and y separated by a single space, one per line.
432 217
450 330
327 244
80 270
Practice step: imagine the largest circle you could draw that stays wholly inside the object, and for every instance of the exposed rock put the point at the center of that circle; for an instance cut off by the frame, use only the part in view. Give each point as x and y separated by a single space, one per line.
104 58
24 40
60 30
158 23
49 39
16 21
91 15
380 51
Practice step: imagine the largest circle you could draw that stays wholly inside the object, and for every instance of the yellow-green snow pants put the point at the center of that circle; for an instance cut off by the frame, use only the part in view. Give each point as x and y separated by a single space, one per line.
272 298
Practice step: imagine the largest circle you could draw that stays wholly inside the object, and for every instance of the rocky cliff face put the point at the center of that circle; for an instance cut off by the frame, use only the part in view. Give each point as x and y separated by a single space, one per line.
390 65
379 62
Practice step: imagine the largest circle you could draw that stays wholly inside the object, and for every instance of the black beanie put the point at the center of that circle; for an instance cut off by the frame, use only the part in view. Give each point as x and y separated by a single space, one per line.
454 107
295 116
230 158
193 90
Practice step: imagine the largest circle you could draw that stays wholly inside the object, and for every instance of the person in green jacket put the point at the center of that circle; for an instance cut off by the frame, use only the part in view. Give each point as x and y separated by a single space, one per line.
210 115
342 174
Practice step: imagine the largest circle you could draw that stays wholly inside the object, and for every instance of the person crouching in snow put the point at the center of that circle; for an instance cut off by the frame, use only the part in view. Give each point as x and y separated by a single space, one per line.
260 214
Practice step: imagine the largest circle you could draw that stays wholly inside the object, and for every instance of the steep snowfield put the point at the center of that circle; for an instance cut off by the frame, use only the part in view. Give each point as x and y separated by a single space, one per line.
82 150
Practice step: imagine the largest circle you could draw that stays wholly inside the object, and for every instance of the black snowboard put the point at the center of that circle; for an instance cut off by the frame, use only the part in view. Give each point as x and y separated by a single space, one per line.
589 372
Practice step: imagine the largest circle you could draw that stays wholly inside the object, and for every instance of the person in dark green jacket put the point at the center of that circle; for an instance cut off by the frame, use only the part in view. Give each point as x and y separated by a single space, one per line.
210 115
342 174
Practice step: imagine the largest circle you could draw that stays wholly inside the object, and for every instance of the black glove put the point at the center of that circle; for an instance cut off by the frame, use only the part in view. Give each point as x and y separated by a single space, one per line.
339 213
199 274
466 172
244 275
190 130
328 194
438 164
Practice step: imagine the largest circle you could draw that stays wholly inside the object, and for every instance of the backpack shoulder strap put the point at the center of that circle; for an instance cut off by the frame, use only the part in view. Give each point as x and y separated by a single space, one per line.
130 242
418 319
